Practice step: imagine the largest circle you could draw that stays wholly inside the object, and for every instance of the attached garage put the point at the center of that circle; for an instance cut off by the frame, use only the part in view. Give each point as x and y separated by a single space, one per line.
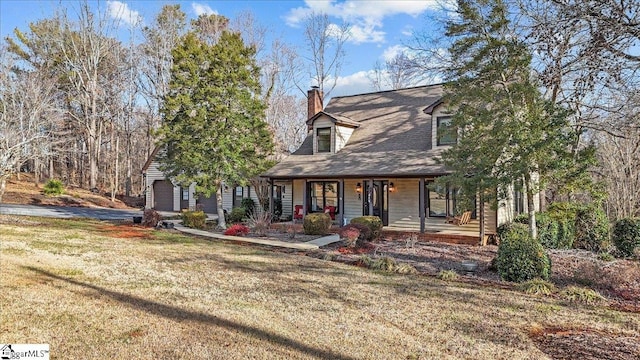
163 195
208 204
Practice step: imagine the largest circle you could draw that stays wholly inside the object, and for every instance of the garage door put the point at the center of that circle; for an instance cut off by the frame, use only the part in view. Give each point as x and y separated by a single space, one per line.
163 195
208 204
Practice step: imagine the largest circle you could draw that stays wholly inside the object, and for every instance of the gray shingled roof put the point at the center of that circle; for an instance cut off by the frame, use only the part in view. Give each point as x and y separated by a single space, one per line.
393 139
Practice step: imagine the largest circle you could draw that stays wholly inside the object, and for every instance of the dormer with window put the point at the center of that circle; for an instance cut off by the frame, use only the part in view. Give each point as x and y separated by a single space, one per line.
442 131
330 132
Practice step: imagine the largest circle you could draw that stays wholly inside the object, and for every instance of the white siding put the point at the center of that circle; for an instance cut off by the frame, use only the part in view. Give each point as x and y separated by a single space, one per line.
152 174
404 204
352 205
343 134
227 197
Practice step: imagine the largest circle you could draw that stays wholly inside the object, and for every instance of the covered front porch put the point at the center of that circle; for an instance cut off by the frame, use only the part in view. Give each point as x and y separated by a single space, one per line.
403 204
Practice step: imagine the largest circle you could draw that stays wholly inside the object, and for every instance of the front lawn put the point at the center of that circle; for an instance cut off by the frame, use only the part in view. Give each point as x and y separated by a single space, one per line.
93 289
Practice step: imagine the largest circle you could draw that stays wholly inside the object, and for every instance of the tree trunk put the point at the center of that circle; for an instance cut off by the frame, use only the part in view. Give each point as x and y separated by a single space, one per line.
3 187
531 210
221 223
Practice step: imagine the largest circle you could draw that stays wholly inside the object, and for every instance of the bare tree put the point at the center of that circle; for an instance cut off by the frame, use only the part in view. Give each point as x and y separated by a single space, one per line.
399 72
324 51
27 108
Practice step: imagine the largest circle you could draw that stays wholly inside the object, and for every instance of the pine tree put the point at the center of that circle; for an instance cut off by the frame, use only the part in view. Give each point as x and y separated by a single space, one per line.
507 133
213 127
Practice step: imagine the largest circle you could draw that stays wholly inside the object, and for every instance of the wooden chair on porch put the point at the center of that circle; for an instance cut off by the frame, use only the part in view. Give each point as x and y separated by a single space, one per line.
459 220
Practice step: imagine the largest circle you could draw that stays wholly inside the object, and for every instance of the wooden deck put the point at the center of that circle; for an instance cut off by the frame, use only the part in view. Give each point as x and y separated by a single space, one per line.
436 230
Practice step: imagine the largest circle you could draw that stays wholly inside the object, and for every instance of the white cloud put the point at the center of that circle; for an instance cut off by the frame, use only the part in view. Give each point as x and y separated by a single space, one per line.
121 11
365 16
202 9
391 52
356 83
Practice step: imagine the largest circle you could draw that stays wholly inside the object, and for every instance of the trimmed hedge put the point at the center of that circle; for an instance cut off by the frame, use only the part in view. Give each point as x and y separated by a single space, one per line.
194 219
520 257
316 224
592 229
626 236
374 224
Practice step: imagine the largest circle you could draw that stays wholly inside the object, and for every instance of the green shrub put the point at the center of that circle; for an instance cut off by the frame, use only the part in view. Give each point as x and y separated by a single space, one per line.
237 215
552 233
374 224
194 219
592 229
316 224
537 287
520 257
626 236
249 206
53 187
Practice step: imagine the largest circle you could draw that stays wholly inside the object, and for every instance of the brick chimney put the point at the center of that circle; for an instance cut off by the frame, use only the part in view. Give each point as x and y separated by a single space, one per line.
314 101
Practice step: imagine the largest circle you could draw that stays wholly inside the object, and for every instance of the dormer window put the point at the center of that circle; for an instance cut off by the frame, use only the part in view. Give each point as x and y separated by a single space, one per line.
323 138
447 134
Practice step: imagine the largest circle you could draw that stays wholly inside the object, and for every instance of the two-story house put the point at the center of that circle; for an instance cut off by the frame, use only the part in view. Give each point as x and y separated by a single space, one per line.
375 154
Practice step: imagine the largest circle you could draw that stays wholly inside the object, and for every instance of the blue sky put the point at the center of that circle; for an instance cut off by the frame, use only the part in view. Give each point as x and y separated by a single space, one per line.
379 29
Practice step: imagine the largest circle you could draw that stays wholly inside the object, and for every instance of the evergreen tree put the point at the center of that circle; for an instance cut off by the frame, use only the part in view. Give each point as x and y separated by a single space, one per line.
507 133
213 129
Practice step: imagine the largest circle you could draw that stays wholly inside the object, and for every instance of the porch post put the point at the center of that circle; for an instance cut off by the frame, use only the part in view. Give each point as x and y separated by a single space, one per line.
304 197
421 202
270 181
341 202
370 197
482 229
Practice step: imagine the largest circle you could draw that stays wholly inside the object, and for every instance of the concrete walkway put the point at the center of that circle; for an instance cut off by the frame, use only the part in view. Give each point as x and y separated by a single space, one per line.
309 245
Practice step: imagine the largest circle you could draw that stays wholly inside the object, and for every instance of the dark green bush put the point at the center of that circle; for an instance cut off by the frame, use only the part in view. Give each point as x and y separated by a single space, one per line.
237 215
520 257
194 219
552 233
591 228
53 187
316 224
374 224
249 206
626 236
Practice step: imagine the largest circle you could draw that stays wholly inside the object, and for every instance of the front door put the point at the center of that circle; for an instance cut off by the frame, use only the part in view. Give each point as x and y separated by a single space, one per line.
378 196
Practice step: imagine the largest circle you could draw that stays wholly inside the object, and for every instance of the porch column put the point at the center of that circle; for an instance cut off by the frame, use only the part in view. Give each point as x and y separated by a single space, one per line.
270 181
421 202
370 197
341 202
304 197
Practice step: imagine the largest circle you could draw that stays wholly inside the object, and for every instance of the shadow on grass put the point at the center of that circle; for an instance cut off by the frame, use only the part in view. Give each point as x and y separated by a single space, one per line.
175 313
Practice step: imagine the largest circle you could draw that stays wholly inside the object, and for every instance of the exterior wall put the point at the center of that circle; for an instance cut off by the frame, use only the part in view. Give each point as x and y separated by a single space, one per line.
404 205
343 134
152 174
227 196
324 122
352 205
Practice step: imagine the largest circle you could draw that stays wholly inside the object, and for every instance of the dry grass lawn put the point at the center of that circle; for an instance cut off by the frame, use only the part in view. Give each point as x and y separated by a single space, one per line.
91 289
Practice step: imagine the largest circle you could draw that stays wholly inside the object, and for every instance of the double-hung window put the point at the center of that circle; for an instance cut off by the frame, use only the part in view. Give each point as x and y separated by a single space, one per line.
323 140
